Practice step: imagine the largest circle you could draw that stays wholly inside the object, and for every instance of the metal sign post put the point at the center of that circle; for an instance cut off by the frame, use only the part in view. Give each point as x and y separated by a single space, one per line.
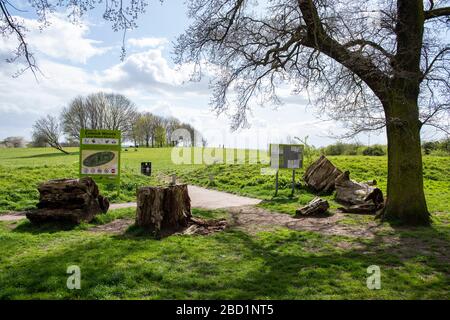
286 156
293 183
276 183
100 155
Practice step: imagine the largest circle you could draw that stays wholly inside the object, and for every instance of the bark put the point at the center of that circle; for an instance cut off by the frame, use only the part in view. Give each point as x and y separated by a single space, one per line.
68 200
321 174
315 207
405 196
357 197
163 209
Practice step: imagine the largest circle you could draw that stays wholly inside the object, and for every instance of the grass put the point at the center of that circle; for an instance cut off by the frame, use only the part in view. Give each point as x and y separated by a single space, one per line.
22 169
280 264
283 264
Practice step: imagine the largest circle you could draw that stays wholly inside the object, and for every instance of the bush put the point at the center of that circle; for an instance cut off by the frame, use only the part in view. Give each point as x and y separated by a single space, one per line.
348 149
437 148
374 151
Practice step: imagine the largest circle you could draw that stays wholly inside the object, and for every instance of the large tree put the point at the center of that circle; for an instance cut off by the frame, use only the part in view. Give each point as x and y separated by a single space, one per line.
99 111
375 64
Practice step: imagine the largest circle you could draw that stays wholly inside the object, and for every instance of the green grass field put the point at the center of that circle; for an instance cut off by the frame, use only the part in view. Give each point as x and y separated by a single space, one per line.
235 264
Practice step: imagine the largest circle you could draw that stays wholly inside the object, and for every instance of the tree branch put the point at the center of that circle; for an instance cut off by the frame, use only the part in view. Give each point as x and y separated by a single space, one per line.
435 13
317 38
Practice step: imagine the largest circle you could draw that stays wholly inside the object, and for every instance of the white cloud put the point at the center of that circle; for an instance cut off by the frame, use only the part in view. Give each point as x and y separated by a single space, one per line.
148 42
61 39
23 100
150 71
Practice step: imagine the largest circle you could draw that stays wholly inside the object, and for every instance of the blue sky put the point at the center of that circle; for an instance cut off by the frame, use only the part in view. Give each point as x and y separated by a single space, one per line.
86 58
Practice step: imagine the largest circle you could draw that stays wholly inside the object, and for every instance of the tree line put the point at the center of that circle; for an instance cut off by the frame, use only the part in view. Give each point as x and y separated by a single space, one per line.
108 111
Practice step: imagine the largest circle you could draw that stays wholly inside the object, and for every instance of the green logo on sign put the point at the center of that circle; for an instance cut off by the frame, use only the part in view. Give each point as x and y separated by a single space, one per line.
98 159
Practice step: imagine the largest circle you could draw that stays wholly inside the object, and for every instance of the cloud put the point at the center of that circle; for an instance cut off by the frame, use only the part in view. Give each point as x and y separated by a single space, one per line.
150 71
61 39
147 42
23 100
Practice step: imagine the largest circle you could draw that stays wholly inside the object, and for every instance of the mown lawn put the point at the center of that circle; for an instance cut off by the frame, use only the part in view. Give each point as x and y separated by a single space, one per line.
282 264
235 264
22 169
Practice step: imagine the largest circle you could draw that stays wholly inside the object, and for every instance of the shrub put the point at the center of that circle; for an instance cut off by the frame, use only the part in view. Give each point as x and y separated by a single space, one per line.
374 151
340 148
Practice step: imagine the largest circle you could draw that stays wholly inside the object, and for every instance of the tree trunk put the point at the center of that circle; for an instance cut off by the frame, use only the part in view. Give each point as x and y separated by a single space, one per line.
405 195
357 197
68 200
163 209
317 206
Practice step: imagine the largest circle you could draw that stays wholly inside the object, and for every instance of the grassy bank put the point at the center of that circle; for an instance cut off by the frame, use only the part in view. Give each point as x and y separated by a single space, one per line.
22 169
282 264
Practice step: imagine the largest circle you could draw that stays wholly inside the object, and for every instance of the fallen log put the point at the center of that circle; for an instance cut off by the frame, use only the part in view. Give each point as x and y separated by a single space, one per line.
321 174
357 197
317 206
163 208
68 200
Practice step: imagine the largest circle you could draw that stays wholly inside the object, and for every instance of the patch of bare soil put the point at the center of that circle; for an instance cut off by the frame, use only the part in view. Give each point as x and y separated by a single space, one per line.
13 216
205 227
253 220
116 227
197 226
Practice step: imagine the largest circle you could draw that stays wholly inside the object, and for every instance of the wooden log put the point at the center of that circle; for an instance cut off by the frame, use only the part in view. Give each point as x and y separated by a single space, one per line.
68 200
357 197
321 174
317 206
163 208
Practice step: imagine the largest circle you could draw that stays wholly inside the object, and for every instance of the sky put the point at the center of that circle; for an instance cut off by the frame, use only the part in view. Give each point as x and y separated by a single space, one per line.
85 58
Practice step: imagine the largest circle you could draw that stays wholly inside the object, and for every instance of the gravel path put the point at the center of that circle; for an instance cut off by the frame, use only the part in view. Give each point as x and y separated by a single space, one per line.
200 198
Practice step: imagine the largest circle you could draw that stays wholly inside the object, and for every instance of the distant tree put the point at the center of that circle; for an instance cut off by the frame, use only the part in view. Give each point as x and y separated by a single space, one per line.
38 141
14 142
99 111
48 129
160 136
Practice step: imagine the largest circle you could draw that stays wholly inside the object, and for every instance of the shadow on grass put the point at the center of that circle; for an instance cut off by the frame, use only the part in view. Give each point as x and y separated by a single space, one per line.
235 265
275 267
50 227
48 155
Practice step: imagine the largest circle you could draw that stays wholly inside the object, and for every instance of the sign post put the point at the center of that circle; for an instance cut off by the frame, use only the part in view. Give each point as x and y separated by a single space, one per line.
286 156
100 155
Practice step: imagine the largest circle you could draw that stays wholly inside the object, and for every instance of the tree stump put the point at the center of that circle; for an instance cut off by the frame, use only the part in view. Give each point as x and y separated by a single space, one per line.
317 206
357 197
163 208
321 174
68 200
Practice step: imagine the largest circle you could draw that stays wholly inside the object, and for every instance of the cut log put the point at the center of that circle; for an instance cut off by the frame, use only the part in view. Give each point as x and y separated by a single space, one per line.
317 206
163 208
68 200
357 197
321 174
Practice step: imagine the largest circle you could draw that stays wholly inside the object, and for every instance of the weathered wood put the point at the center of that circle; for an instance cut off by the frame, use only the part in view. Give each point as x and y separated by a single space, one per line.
68 200
317 206
160 208
357 197
321 174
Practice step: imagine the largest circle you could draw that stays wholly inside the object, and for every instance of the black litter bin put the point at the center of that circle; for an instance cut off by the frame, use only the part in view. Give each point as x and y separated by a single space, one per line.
146 168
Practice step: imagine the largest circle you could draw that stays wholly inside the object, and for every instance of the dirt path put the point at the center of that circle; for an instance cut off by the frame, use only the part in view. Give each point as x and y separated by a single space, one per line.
254 219
200 198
